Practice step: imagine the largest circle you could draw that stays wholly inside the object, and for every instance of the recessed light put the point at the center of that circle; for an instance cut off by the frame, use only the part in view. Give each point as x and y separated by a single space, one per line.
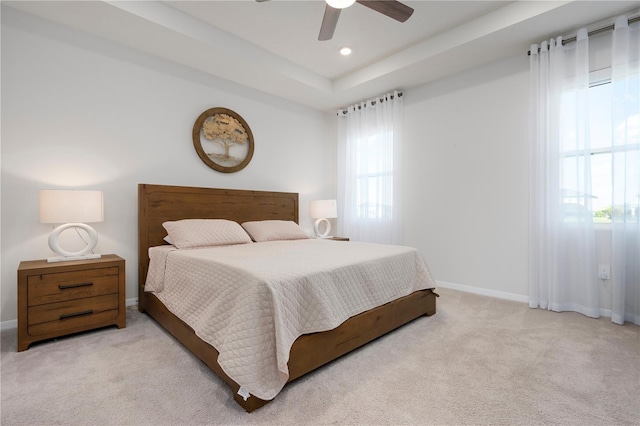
345 51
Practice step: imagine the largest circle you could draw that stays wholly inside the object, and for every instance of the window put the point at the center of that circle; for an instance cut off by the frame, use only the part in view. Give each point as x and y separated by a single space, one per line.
369 151
374 174
592 154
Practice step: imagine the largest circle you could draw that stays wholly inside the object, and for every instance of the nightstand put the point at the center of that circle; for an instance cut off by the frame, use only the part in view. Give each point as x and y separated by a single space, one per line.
56 299
338 238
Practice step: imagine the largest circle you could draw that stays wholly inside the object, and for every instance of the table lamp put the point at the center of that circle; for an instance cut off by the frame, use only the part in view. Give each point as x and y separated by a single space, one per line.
73 209
321 210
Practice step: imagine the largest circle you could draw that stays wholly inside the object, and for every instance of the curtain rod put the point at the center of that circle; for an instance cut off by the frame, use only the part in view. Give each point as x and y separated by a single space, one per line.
372 103
594 32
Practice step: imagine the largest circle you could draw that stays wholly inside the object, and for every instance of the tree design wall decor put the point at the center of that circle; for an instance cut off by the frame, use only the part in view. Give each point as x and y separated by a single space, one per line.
223 140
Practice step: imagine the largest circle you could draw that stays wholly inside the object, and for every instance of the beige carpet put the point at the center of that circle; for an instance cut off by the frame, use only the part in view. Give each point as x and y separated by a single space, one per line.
479 360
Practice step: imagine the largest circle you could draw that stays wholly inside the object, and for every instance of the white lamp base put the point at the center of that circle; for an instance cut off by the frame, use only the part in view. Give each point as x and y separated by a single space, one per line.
66 258
85 253
327 228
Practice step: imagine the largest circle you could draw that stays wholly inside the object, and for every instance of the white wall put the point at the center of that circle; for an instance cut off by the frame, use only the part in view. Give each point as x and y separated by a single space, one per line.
82 113
467 174
467 177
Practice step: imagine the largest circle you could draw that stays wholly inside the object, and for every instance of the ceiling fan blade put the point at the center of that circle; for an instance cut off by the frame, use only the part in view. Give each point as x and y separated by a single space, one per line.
329 22
392 8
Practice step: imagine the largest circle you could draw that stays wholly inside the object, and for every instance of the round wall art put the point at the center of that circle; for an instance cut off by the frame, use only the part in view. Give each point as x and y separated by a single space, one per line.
223 140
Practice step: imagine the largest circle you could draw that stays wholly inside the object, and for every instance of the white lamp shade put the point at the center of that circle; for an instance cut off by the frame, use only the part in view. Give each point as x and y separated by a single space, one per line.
65 206
322 209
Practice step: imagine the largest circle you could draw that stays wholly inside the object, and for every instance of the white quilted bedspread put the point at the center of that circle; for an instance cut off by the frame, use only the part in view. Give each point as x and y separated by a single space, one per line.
252 301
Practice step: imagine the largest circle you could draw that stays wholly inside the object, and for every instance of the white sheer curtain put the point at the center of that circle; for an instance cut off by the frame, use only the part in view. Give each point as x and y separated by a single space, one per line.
563 263
369 158
625 250
562 254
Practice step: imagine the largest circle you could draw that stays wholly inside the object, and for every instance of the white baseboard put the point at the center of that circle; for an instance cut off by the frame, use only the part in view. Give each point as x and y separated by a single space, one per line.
503 295
11 324
484 291
8 325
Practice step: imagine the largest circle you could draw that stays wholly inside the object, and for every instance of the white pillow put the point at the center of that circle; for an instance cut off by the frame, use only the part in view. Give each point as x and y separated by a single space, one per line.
273 230
190 233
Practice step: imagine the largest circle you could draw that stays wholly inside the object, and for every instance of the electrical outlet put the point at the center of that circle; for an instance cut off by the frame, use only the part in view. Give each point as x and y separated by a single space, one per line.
604 272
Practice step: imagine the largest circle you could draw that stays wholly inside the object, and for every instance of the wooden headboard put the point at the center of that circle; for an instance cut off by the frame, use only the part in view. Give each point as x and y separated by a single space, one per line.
160 203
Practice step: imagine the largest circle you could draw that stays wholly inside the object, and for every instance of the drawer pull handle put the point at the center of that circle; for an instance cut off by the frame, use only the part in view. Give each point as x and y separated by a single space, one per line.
66 287
77 314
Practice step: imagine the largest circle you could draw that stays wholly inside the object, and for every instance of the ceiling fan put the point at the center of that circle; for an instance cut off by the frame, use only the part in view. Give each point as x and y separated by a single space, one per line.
391 8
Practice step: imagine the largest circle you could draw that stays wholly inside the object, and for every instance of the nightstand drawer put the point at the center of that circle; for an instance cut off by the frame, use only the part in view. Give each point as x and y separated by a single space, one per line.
68 311
73 323
63 286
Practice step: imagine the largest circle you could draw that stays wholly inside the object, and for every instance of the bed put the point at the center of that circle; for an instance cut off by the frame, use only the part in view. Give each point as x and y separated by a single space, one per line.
158 204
